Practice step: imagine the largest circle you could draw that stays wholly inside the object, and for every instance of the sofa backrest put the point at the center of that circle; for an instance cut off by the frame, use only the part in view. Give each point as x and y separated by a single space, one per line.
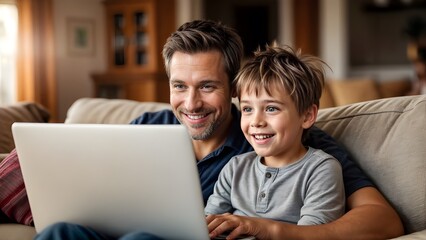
387 139
109 111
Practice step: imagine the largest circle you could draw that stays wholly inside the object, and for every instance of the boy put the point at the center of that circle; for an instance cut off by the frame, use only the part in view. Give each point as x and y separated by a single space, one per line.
283 180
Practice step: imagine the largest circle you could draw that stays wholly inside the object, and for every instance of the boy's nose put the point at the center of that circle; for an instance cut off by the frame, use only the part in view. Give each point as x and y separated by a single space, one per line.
257 120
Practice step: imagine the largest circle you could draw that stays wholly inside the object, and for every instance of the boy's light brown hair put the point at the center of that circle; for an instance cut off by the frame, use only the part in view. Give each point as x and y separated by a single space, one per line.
301 75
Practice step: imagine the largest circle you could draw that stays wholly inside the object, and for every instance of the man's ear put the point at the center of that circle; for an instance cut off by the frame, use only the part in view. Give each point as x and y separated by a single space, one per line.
310 116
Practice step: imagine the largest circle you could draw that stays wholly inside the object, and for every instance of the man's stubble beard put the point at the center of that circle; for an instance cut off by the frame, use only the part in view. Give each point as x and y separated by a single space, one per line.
209 130
207 133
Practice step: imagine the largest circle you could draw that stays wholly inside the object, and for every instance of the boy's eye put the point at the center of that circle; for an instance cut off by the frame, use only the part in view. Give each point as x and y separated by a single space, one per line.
271 109
246 109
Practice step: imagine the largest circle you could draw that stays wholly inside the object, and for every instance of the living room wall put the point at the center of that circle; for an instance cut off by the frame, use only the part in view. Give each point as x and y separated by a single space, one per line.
73 71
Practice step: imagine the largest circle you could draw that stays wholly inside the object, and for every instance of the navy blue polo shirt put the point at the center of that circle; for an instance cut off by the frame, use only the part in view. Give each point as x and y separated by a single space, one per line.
210 166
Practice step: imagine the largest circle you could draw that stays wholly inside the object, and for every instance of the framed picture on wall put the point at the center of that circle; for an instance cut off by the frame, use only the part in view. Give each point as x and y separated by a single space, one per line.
80 36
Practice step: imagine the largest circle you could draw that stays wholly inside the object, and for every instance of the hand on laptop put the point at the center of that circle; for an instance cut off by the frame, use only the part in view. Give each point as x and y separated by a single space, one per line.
237 227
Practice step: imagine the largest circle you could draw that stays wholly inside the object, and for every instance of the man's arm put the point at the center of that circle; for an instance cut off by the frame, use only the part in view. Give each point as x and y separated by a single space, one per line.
369 217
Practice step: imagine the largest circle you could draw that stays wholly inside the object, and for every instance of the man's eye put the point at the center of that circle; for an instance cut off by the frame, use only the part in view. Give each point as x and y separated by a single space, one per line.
179 86
207 87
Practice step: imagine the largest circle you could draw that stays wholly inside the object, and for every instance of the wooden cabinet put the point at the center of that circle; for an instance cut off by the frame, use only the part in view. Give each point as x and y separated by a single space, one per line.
136 33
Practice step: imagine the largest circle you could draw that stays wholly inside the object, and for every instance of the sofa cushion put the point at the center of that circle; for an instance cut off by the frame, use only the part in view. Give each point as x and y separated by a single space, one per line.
19 112
386 137
109 111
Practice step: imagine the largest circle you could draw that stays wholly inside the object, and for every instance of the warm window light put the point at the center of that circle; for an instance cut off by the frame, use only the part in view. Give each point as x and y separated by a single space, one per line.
8 39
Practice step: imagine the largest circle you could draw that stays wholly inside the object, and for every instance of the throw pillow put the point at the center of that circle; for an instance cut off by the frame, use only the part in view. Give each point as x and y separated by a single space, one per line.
13 196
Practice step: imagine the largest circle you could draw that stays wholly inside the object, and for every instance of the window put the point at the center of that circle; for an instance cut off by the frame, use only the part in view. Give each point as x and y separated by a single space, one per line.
8 39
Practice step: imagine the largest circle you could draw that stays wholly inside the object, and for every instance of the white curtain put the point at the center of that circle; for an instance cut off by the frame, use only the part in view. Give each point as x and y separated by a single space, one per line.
8 42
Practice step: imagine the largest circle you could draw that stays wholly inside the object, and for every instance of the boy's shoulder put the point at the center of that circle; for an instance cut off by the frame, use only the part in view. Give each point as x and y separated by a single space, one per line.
245 156
240 163
243 159
318 157
320 154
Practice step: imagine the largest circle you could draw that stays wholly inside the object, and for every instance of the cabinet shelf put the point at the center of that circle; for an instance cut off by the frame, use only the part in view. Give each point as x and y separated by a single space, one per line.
140 87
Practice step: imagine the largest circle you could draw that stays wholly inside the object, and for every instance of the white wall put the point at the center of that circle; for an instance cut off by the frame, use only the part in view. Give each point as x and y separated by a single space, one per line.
73 72
285 23
187 10
333 37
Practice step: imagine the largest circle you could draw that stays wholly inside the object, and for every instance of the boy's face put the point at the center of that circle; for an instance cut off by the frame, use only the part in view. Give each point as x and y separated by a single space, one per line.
200 94
273 126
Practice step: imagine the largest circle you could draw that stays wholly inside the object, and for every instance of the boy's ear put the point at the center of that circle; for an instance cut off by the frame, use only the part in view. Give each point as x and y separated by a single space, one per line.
310 116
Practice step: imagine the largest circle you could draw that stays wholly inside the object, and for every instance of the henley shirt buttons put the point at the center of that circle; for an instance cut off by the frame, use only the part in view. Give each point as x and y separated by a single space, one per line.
262 195
268 175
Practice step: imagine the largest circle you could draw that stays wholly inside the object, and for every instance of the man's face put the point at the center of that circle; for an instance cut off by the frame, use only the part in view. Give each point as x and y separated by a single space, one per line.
200 94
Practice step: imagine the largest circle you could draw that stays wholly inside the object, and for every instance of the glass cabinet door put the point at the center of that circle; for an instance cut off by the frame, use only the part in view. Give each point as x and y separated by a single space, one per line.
142 38
119 40
130 36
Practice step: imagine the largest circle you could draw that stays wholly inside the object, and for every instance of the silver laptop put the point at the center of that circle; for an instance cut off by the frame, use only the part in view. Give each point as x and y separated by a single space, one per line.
113 178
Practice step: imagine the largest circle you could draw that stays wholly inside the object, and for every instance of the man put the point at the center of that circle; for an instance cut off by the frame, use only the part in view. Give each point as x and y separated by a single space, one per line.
201 59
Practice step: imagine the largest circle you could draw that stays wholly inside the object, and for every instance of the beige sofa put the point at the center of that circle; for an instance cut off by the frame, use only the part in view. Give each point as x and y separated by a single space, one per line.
386 137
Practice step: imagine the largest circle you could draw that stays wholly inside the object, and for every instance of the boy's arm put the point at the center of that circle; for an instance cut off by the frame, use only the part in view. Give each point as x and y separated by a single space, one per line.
324 194
220 201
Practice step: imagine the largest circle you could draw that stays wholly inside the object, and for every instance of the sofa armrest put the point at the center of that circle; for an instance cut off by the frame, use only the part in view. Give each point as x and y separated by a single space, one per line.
18 112
109 111
421 235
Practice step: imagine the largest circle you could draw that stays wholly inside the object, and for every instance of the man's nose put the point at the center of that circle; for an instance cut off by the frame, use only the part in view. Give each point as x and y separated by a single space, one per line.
193 100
